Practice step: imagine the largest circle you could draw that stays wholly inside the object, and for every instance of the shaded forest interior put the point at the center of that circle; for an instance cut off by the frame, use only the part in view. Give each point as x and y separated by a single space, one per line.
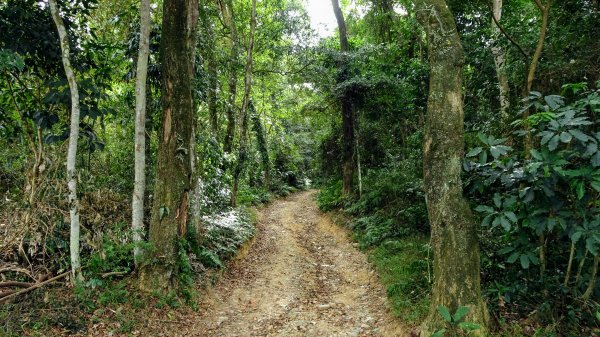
457 140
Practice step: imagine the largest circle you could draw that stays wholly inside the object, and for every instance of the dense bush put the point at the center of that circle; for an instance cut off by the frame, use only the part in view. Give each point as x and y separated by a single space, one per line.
540 211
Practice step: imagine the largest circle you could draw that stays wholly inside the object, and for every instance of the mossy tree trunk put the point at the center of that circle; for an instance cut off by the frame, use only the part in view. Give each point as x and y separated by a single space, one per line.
173 184
347 107
228 17
453 230
246 105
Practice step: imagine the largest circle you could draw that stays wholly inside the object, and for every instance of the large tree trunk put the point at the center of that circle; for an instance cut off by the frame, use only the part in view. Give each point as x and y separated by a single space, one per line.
347 108
139 187
453 230
500 62
169 218
73 137
245 105
227 13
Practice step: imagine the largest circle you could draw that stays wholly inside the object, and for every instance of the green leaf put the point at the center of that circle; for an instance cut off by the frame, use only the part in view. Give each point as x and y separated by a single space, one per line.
469 326
460 313
598 315
511 216
483 138
445 313
576 236
439 333
513 257
596 185
505 223
474 152
484 209
580 190
553 143
506 250
524 261
579 135
497 200
565 137
486 221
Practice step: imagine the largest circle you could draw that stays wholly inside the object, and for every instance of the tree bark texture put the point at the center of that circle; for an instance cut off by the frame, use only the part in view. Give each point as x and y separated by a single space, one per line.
211 65
453 230
73 137
245 105
500 62
348 119
139 187
174 173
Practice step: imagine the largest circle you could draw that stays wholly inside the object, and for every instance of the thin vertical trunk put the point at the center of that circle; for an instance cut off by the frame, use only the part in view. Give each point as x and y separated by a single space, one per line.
347 108
592 283
211 64
73 137
544 11
453 230
228 18
245 105
500 62
139 187
174 173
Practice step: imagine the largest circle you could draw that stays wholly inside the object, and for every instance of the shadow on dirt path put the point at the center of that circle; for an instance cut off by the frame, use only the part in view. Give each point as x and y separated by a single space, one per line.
301 276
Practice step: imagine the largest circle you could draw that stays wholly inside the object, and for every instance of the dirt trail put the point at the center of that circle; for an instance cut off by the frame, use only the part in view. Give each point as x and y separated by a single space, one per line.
301 277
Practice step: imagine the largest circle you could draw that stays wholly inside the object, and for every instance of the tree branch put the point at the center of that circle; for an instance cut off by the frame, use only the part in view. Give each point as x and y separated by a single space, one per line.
508 36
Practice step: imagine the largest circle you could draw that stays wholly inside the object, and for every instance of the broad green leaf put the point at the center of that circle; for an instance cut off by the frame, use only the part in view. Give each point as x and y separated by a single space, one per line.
596 185
505 223
506 250
598 315
553 143
497 200
445 313
524 261
576 236
591 246
554 101
513 257
580 190
469 326
483 138
474 152
579 135
484 209
486 221
460 313
512 216
546 135
565 137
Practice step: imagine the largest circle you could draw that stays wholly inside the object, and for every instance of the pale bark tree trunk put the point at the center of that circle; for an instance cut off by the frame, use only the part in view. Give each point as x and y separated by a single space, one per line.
139 187
500 62
347 108
228 18
244 113
211 65
73 137
545 12
174 174
454 239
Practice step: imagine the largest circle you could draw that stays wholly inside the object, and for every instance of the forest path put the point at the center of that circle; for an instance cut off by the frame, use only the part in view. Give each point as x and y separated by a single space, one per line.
301 276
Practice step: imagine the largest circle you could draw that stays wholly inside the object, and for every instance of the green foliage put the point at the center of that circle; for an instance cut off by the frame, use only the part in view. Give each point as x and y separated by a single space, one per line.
403 268
455 322
543 201
330 196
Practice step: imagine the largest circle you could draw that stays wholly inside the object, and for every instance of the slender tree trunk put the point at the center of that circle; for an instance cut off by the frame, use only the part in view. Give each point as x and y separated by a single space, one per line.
592 283
228 17
245 105
211 64
73 137
545 12
453 230
174 174
347 108
139 187
500 62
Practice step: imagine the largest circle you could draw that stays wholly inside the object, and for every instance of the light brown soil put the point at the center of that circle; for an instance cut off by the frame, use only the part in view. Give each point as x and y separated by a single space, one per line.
301 276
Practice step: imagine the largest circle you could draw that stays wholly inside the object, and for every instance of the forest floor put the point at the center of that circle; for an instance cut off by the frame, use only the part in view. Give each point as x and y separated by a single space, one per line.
300 276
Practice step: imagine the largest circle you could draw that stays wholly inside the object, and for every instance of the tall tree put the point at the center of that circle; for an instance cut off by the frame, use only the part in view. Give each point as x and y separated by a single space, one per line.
500 61
169 217
453 230
347 108
228 17
137 208
245 106
73 137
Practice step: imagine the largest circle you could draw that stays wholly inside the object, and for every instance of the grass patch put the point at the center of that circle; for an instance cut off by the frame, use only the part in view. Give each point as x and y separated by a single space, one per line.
402 265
